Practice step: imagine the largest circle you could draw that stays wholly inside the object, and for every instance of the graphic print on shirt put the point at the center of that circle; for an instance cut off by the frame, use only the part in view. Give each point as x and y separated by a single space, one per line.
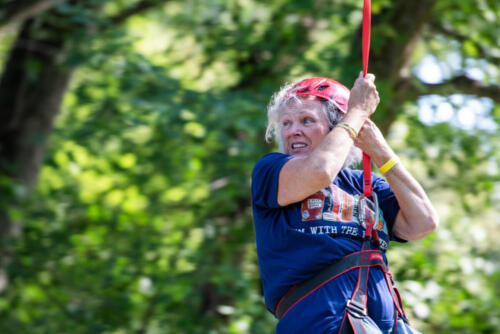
340 210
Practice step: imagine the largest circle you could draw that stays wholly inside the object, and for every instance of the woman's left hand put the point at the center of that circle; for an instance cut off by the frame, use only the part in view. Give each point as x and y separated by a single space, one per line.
371 141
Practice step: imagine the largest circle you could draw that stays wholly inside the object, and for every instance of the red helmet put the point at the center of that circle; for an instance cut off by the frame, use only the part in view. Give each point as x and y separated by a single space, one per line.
326 88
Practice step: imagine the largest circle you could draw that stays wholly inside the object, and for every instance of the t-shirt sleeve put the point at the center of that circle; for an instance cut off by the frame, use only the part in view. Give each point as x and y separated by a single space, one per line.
265 177
387 202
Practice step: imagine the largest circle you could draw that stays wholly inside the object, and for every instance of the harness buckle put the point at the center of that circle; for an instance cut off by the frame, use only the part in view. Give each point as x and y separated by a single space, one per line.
361 211
373 205
356 309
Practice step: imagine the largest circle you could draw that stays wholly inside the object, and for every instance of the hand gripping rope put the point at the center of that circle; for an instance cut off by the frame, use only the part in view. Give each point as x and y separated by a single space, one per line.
367 167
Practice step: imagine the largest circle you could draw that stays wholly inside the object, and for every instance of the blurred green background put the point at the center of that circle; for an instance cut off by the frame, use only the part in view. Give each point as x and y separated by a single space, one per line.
129 129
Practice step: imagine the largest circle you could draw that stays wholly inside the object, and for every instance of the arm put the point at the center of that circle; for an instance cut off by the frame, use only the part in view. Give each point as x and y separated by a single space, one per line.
417 216
305 175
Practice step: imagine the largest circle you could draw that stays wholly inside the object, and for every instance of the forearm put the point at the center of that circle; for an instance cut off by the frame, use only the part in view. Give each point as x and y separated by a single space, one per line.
336 146
417 216
338 143
310 173
328 158
305 175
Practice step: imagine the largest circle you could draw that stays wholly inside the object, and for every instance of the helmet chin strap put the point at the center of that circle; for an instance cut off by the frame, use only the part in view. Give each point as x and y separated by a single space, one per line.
367 167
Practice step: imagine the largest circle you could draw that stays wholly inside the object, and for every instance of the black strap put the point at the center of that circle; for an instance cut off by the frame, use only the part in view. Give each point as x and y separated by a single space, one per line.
361 259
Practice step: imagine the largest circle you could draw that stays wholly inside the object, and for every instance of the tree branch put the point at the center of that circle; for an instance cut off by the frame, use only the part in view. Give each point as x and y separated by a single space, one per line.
462 85
21 11
482 50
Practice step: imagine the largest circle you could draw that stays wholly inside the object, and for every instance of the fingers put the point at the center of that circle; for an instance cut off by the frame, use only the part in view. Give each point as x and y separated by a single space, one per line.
368 82
377 96
367 124
366 134
369 79
364 94
368 76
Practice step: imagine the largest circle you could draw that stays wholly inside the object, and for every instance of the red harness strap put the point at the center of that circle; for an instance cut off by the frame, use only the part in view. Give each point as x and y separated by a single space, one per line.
367 168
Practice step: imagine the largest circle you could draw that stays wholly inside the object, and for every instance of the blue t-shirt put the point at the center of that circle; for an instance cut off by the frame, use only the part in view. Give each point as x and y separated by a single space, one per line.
296 241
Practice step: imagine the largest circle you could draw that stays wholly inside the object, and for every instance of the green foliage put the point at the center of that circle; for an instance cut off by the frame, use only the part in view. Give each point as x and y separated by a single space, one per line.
141 219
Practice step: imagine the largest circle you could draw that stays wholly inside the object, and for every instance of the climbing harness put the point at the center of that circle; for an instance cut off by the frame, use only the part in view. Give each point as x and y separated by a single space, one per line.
356 318
365 258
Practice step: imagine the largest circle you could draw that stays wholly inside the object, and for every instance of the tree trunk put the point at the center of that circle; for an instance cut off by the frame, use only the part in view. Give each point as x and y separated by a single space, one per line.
31 89
19 11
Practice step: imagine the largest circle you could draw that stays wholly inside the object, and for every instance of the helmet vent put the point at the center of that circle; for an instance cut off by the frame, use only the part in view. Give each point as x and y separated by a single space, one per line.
322 87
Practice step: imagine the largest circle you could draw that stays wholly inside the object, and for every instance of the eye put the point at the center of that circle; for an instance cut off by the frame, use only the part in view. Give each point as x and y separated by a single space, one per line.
286 123
308 120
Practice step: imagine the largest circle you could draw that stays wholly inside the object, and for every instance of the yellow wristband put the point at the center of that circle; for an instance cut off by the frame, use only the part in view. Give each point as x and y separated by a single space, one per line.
349 130
388 165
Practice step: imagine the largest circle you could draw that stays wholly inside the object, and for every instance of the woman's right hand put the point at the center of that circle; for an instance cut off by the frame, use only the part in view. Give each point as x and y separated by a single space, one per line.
364 96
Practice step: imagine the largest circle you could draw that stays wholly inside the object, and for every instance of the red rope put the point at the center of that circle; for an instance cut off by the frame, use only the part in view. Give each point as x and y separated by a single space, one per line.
367 167
366 34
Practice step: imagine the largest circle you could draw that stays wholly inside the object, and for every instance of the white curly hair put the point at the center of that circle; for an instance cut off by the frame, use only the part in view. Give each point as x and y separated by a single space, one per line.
287 96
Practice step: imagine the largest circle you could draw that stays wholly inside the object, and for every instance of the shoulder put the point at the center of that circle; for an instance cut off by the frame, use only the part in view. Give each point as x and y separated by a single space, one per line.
270 160
352 177
348 173
265 179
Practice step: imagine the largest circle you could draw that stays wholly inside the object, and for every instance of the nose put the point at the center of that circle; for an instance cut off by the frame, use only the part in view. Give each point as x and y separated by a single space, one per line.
295 129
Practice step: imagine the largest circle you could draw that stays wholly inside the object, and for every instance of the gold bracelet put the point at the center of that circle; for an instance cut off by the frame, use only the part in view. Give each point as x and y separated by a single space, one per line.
352 133
388 165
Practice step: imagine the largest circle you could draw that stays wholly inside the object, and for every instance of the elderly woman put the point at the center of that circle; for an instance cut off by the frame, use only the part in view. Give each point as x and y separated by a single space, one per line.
309 212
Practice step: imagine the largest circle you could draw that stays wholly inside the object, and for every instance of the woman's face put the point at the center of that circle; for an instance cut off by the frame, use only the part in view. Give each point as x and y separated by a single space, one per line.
303 126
